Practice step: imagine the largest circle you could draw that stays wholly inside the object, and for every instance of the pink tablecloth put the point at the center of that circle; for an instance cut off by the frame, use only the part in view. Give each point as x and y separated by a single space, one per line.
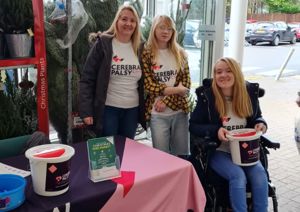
155 181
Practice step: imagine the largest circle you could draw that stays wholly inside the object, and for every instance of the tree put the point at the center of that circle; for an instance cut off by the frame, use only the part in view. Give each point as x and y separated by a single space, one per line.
101 14
256 6
284 6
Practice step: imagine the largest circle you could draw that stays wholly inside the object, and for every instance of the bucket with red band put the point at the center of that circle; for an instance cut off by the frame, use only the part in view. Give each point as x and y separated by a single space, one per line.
244 146
50 168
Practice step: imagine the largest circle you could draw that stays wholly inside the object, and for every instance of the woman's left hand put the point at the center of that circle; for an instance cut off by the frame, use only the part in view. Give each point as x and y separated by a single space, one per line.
260 127
160 106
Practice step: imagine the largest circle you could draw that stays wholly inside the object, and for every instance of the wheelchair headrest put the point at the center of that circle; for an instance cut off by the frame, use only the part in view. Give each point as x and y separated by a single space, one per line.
261 92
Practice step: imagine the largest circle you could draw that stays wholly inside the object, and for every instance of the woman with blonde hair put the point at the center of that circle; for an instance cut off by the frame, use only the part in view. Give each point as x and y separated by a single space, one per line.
111 85
167 82
225 103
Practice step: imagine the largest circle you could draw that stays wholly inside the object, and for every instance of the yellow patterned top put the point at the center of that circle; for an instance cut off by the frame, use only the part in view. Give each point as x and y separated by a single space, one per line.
154 89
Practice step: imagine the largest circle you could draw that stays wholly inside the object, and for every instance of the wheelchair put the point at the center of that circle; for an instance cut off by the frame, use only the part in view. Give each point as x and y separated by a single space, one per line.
216 187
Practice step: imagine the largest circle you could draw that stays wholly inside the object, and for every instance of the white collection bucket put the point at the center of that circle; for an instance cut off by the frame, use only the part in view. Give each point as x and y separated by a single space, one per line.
244 146
50 168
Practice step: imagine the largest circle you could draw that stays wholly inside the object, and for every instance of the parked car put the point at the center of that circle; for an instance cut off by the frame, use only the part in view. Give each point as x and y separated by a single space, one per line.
249 28
188 39
191 27
295 27
272 32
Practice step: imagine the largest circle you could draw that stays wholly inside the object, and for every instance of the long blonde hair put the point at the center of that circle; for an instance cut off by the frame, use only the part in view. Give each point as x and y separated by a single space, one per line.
173 46
136 36
241 103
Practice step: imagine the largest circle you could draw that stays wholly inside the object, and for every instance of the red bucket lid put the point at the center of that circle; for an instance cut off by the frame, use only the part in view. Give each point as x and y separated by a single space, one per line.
50 153
244 134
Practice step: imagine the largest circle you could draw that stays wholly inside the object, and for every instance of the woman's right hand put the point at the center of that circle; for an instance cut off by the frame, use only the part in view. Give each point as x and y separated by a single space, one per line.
179 90
182 91
88 120
222 134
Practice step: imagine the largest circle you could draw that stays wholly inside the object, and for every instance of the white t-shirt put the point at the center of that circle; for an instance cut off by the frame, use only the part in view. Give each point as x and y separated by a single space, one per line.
124 76
165 72
231 122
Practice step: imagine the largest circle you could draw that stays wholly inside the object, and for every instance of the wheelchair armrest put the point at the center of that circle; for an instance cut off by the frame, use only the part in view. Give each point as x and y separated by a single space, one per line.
205 143
266 142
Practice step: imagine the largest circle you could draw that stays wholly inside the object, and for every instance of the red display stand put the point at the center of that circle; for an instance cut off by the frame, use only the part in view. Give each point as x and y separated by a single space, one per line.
39 61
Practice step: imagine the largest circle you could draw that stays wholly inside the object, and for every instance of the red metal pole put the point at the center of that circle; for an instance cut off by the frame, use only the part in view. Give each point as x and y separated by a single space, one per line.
40 54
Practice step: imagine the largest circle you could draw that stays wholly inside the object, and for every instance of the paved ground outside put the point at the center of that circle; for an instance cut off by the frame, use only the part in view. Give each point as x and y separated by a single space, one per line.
279 109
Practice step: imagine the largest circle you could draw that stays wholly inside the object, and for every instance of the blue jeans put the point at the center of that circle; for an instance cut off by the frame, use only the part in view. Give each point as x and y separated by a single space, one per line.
170 133
237 177
120 121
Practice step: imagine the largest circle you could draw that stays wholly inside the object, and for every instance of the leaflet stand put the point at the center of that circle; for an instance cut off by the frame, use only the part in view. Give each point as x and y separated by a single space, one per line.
104 163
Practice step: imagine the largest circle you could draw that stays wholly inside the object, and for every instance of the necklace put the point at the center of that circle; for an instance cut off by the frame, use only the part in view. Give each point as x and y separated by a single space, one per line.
228 98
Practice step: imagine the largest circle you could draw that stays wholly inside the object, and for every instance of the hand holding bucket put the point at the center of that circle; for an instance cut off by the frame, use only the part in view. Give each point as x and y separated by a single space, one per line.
244 146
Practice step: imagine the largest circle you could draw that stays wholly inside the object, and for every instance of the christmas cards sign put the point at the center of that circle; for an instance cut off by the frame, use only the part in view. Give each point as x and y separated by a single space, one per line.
103 162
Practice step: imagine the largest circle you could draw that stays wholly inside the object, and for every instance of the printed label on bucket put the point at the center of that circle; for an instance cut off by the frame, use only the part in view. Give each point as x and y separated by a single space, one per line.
4 202
57 177
249 151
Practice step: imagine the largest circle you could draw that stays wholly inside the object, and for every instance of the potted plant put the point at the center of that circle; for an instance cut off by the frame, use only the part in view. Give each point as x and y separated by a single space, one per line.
16 21
18 108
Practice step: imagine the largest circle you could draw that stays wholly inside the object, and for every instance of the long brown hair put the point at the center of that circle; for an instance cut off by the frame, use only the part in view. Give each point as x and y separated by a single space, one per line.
136 36
173 46
241 103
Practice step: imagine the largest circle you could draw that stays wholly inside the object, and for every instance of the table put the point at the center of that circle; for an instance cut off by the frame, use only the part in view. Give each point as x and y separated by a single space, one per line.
151 181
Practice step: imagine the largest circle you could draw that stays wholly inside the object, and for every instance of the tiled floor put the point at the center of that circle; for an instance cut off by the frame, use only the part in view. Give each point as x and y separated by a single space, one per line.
279 109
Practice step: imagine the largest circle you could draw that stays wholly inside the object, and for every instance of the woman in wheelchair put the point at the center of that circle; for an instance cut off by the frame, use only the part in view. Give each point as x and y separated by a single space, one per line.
228 102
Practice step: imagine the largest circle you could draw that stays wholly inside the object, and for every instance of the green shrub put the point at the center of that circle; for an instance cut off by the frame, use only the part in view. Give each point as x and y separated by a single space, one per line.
18 109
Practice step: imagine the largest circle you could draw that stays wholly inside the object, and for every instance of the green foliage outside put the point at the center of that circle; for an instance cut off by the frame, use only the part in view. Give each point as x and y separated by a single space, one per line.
269 6
284 6
273 6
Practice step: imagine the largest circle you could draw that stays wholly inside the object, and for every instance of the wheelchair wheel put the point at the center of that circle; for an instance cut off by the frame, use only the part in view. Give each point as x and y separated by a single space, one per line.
272 194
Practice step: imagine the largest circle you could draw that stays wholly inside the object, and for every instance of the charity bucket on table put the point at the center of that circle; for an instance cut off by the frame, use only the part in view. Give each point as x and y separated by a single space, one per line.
50 168
244 146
